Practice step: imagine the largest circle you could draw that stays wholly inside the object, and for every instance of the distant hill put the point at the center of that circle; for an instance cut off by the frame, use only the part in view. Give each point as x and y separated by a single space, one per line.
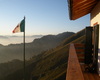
50 64
15 51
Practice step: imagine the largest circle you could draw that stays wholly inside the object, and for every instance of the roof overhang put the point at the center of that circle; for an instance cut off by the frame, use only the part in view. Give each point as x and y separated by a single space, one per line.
79 8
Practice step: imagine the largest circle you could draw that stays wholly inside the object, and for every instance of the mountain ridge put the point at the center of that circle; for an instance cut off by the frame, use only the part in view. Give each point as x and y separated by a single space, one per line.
50 64
32 48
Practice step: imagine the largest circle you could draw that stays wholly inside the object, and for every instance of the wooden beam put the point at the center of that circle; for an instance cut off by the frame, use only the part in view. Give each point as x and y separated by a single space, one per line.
79 45
74 71
79 8
84 4
79 50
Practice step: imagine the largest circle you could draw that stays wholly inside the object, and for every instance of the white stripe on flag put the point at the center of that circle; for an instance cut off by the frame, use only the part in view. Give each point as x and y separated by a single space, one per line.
17 29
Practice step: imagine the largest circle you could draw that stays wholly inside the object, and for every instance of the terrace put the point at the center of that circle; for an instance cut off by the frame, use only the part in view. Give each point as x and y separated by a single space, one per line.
84 60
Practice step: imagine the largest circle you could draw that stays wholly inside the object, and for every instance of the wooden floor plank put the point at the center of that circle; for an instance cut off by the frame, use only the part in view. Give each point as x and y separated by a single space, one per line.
88 75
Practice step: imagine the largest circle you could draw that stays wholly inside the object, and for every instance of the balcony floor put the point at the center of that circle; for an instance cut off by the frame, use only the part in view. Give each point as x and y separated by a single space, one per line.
89 76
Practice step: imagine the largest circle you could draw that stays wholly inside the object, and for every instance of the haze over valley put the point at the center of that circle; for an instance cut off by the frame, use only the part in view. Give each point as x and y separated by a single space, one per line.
6 40
34 45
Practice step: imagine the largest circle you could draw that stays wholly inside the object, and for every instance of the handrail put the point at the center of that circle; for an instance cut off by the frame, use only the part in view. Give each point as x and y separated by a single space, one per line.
74 71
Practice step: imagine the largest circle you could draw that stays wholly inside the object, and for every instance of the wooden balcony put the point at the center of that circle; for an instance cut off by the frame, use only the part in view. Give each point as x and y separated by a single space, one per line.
76 67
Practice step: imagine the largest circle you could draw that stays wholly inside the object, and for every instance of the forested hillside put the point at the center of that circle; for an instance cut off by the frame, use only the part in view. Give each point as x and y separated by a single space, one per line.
50 64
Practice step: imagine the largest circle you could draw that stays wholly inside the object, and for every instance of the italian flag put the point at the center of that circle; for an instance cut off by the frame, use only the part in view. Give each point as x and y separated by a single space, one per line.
20 27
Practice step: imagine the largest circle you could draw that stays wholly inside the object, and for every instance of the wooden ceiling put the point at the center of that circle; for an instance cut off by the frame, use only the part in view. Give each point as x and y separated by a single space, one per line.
79 8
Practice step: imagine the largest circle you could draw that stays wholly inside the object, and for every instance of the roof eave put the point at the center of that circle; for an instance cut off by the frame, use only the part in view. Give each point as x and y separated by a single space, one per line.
72 14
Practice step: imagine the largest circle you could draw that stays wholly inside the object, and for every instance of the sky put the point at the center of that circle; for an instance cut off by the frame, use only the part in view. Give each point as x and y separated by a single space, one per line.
42 17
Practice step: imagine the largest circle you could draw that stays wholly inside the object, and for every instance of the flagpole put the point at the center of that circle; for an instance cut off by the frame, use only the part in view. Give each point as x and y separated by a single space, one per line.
24 52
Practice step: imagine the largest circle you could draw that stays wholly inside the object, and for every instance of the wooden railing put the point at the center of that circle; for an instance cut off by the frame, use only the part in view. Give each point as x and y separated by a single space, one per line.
74 71
79 48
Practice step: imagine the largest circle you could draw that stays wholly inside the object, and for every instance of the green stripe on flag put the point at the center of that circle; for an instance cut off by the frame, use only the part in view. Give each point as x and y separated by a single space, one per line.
22 25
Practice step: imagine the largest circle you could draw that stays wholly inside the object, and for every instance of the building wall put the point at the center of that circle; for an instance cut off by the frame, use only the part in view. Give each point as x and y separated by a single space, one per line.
95 14
95 19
